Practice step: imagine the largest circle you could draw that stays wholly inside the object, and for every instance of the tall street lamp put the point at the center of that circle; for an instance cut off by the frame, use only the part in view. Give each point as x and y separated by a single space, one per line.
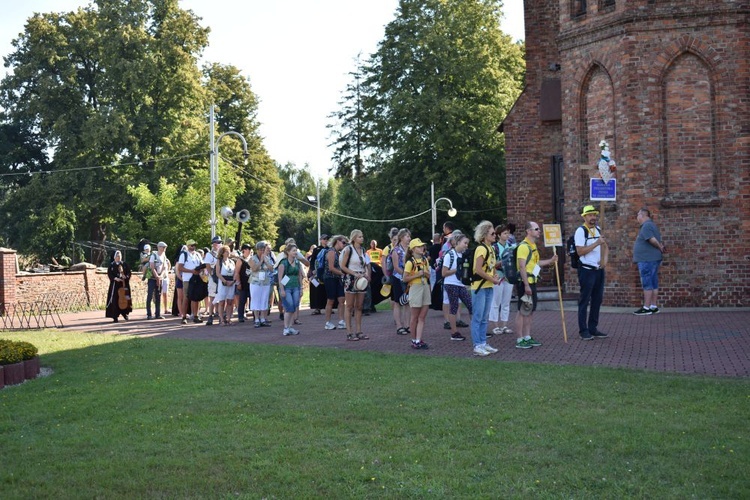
214 164
316 199
451 211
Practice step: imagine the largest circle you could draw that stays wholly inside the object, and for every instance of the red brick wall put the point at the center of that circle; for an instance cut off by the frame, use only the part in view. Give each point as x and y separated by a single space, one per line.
667 84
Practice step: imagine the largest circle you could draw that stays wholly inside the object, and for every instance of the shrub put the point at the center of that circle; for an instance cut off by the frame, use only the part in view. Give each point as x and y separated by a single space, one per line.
28 351
10 353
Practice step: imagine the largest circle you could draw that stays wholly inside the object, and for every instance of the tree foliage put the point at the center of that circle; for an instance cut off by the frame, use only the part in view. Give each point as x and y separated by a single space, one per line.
434 92
117 84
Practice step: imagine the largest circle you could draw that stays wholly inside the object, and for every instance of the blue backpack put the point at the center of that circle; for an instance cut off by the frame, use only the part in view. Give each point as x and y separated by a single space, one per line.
320 264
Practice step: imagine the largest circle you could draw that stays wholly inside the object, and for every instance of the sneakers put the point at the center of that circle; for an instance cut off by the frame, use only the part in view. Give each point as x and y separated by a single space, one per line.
498 331
644 312
523 344
210 321
599 335
329 326
507 330
457 336
654 310
419 345
257 324
342 325
587 336
535 343
461 324
351 337
446 325
184 321
290 331
480 351
265 323
489 349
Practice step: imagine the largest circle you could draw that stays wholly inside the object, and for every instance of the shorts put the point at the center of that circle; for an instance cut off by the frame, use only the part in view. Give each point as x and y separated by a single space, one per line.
649 272
178 283
419 295
349 281
334 288
213 287
164 286
520 292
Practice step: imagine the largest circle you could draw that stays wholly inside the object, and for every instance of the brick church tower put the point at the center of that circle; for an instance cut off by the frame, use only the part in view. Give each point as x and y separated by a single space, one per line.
667 84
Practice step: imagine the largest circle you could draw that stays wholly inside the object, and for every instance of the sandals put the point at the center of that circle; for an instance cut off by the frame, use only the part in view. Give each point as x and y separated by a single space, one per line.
402 331
362 336
351 336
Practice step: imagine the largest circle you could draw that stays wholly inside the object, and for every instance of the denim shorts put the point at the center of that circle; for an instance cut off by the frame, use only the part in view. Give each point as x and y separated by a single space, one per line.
649 272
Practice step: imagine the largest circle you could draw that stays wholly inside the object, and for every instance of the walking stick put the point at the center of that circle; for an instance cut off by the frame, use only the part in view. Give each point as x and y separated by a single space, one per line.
559 295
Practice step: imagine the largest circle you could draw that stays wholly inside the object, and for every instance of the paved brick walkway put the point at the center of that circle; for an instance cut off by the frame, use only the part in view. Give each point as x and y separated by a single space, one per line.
691 341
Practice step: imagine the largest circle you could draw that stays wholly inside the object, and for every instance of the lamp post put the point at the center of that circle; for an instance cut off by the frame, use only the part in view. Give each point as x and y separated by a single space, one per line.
451 211
214 164
316 199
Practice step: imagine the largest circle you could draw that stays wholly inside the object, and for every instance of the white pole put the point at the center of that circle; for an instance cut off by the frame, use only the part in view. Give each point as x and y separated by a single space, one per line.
317 197
434 211
211 169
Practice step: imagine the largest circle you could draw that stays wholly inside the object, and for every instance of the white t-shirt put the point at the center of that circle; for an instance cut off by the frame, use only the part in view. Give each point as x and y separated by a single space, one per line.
450 261
594 257
189 262
159 262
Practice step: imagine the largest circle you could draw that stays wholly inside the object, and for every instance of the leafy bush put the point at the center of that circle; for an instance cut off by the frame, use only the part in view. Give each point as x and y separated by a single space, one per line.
28 351
15 352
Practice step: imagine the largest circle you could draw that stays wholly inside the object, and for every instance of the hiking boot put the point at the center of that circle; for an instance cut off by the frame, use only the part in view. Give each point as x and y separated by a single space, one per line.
535 343
643 312
479 351
587 336
329 326
523 344
457 336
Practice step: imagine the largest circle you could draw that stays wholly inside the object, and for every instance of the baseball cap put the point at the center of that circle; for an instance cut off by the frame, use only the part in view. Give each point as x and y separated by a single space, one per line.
161 244
527 305
216 239
246 246
416 242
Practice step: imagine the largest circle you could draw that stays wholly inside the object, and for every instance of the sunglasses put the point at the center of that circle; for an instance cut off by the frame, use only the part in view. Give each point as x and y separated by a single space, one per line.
535 229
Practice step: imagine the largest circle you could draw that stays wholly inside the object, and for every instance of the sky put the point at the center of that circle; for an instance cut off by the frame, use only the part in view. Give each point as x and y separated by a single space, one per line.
296 53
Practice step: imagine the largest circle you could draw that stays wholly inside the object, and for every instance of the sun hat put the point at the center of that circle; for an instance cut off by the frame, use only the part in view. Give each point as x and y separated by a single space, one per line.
161 244
190 242
589 209
416 242
386 290
361 284
527 305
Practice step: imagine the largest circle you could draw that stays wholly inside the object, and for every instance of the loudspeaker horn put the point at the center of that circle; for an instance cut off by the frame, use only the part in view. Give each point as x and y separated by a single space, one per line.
243 215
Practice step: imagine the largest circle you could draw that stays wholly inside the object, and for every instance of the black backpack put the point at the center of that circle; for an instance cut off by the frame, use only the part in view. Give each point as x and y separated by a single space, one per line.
469 276
575 259
509 260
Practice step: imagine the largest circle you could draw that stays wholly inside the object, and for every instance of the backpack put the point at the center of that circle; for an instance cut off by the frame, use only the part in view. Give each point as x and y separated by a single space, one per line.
575 259
509 260
145 267
320 264
469 276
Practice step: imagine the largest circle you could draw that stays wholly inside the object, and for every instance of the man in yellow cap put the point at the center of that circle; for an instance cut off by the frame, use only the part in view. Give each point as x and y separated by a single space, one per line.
592 250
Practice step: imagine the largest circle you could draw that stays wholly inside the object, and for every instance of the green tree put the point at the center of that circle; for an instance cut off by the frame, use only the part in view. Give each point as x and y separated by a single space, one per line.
115 82
442 79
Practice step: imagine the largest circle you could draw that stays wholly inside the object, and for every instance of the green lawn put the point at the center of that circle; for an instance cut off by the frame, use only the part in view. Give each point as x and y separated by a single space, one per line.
124 417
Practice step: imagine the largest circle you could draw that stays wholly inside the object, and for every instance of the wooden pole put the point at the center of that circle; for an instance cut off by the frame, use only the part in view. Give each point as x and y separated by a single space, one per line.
559 295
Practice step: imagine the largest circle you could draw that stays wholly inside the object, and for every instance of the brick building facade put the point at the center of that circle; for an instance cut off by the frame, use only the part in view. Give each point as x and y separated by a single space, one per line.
667 84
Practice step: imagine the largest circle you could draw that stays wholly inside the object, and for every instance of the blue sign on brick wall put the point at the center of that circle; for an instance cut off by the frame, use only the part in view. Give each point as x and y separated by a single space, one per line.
599 191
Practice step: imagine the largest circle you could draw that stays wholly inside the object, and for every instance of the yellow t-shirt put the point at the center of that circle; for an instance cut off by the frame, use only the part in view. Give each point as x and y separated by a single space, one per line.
523 253
489 265
375 254
416 264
